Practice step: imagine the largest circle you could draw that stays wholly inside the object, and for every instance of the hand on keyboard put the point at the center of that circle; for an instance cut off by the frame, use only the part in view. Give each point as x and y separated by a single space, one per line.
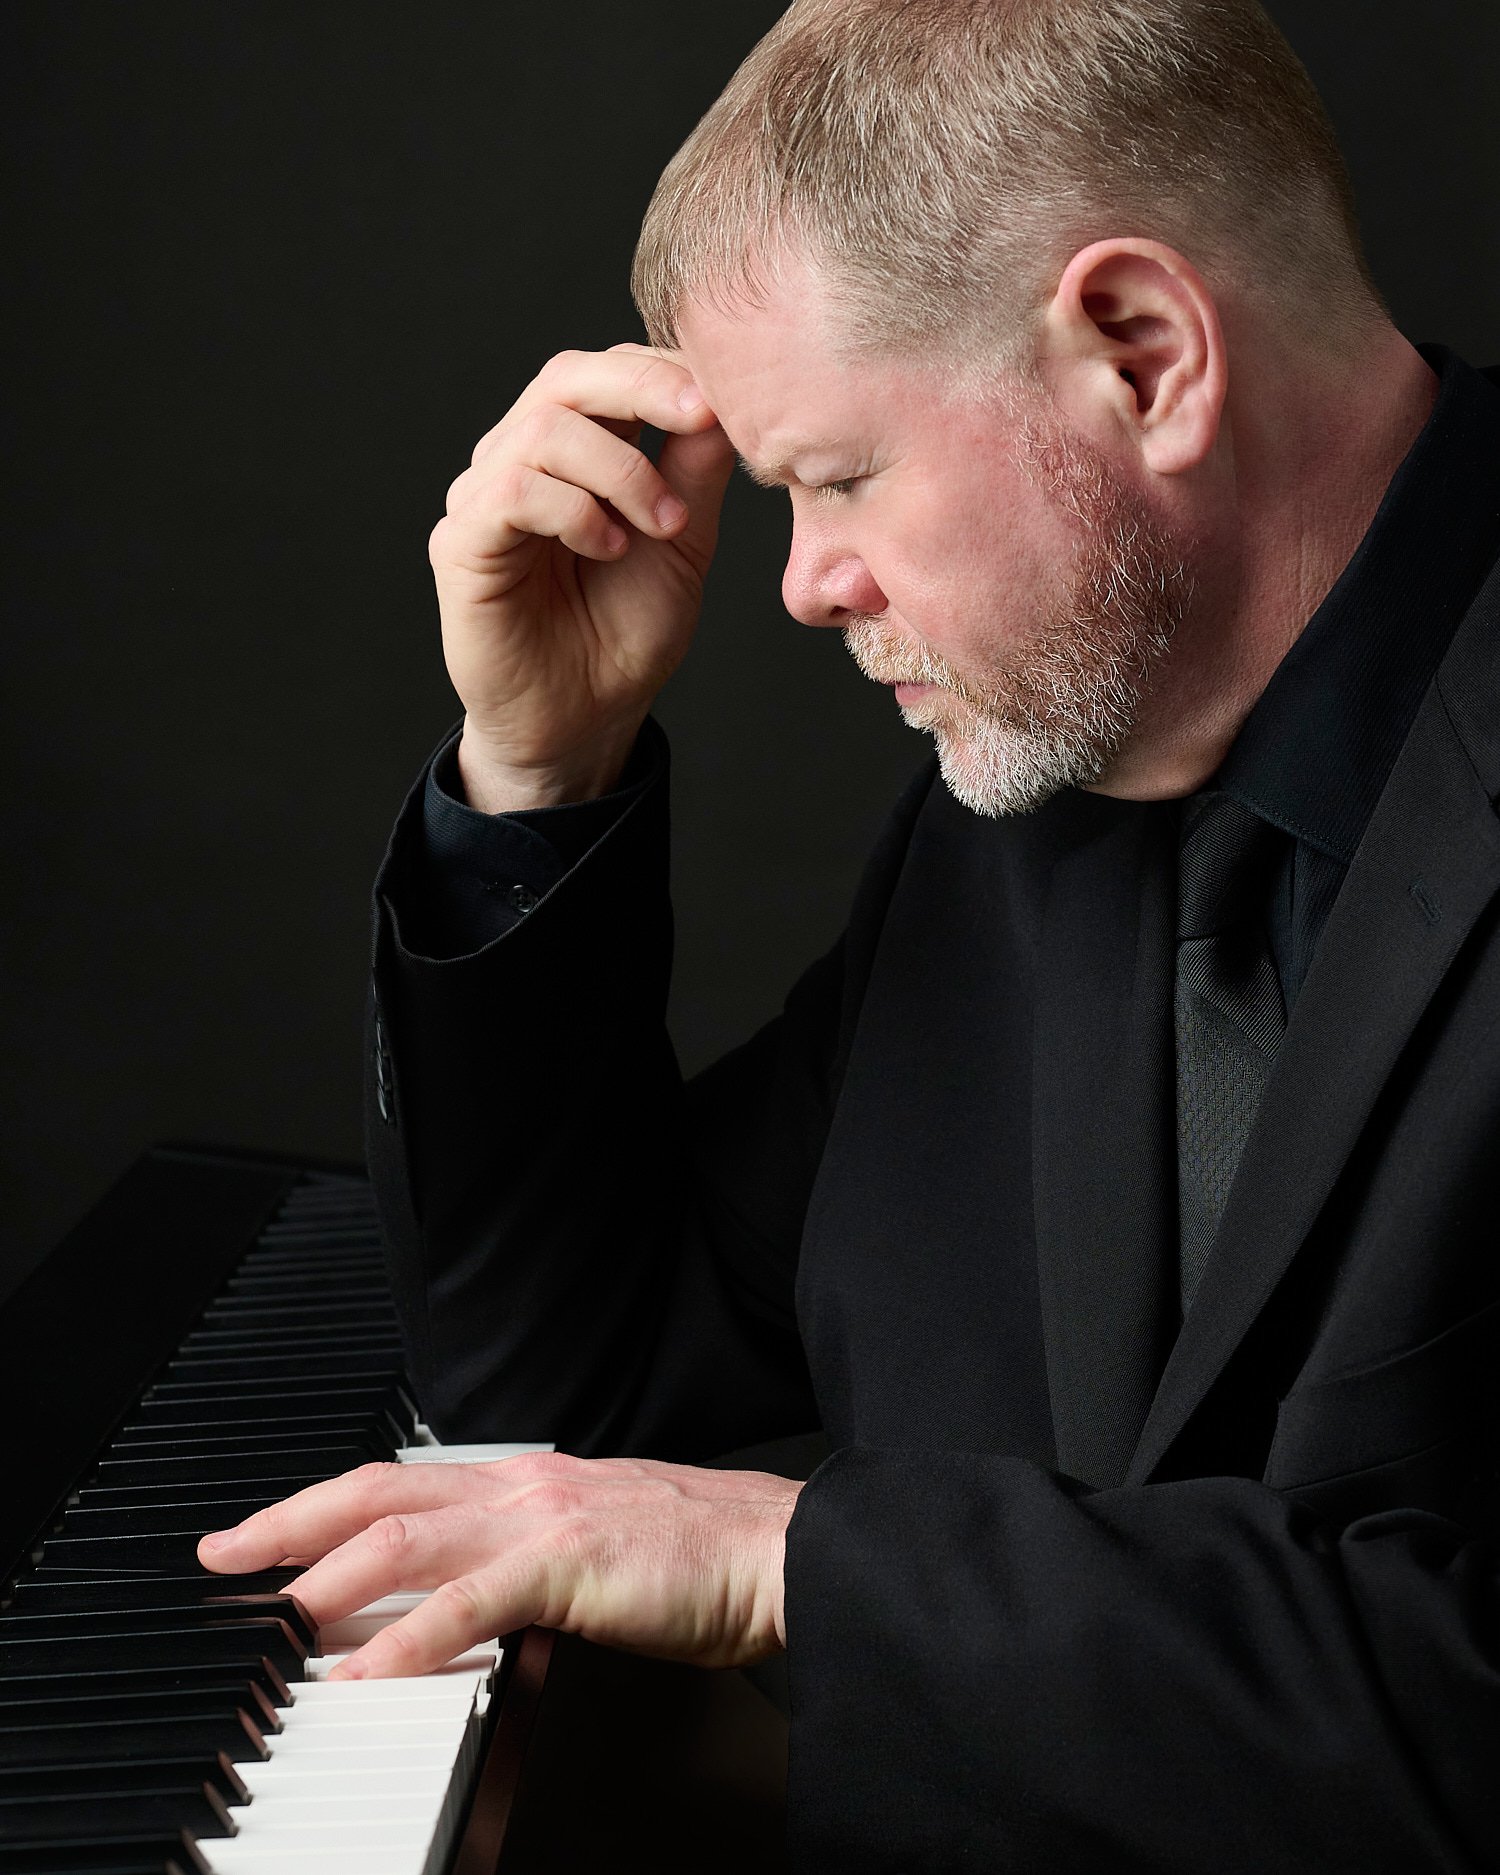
671 1560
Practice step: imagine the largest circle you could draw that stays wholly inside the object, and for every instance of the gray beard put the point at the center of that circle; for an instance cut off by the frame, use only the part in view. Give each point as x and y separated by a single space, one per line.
1058 709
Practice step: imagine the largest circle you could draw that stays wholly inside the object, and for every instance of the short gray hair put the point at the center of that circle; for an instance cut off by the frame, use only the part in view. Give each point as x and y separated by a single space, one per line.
940 161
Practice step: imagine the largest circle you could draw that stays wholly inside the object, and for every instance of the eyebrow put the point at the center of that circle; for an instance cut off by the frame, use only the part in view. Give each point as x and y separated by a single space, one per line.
776 474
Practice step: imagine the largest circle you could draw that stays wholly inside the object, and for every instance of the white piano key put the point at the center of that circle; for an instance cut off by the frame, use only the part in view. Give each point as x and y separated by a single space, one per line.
342 1764
367 1777
371 1731
342 1692
480 1659
464 1454
419 1709
323 1813
230 1855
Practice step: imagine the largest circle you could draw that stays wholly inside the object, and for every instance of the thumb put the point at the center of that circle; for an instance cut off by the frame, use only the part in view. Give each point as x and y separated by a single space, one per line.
698 468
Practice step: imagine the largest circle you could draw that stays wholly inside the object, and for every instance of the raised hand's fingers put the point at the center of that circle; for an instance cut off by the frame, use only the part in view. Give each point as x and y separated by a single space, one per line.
572 449
464 1612
527 504
634 386
699 468
316 1520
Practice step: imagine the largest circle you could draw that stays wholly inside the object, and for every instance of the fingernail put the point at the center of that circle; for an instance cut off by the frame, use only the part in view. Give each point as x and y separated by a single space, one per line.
691 398
615 540
348 1670
669 511
216 1539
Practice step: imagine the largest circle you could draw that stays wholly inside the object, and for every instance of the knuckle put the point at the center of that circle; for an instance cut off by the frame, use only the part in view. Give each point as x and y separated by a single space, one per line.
459 1601
392 1538
374 1475
508 486
534 1465
271 1522
537 426
636 470
649 375
550 1498
402 1649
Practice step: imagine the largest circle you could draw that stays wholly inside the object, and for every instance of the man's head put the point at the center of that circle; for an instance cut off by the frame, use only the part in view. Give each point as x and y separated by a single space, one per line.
983 254
939 161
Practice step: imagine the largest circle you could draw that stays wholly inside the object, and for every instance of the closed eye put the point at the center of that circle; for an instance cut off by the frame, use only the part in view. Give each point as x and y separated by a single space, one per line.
832 490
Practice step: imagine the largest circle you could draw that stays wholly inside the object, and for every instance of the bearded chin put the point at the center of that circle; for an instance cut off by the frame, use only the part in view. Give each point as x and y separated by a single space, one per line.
1059 709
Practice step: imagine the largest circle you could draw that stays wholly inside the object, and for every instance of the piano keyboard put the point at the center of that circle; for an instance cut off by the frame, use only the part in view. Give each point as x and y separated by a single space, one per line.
154 1717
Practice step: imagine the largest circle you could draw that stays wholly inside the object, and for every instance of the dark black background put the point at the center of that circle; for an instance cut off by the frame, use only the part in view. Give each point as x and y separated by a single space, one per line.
272 271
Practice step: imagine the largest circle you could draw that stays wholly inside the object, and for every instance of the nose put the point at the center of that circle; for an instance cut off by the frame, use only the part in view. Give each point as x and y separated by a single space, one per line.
825 583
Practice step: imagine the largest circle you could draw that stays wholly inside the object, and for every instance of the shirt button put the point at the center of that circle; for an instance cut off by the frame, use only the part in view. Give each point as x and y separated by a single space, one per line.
522 898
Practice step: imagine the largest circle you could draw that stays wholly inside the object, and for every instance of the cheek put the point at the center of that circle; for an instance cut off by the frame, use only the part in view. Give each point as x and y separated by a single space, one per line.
962 565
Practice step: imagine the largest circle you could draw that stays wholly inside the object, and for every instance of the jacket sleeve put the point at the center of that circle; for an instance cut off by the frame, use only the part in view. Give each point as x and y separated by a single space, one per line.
583 1249
996 1668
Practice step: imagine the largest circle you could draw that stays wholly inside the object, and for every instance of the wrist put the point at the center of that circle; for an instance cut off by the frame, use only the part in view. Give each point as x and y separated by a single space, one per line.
497 783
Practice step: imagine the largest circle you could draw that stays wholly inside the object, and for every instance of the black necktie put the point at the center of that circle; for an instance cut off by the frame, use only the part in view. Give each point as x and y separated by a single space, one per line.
1229 1010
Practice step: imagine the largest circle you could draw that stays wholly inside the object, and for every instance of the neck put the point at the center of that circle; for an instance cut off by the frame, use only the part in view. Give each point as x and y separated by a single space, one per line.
1303 477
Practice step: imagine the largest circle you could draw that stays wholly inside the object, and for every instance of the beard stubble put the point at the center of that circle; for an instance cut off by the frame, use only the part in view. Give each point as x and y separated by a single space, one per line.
1057 708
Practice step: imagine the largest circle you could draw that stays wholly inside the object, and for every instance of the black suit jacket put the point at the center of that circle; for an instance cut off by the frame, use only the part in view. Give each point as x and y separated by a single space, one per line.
1075 1592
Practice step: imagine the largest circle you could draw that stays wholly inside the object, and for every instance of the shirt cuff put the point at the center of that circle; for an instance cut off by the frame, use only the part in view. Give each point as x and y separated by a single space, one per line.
485 872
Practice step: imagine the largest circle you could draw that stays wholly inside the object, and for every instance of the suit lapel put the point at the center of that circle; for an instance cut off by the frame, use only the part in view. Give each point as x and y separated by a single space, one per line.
1102 1130
1427 867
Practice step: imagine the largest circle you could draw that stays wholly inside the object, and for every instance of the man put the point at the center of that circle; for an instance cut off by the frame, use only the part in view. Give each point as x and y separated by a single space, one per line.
1119 1194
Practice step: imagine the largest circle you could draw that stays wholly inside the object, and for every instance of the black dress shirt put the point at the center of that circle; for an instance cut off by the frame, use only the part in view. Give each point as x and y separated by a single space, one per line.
1311 758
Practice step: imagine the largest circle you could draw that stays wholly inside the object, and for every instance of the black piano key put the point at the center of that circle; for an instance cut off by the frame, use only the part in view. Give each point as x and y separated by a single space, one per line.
85 1819
312 1461
304 1289
202 1438
275 1311
349 1278
368 1363
19 1625
299 1230
208 1405
245 1643
294 1337
53 1596
234 1733
141 1555
200 1703
159 1775
270 1386
138 1856
256 1493
211 1677
227 1442
334 1279
250 1315
176 1519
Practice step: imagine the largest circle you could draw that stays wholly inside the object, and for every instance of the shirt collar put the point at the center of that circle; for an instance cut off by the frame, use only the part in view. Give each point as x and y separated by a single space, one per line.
1316 750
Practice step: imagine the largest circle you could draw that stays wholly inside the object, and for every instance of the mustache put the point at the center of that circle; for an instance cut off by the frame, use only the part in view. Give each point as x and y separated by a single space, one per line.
888 656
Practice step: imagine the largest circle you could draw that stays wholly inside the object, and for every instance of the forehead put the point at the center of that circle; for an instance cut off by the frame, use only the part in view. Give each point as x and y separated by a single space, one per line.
785 390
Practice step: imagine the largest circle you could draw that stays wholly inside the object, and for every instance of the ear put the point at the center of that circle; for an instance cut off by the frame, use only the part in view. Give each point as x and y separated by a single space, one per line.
1132 340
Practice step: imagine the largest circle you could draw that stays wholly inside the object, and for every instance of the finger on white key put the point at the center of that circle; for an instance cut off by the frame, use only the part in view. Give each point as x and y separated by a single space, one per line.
477 1660
347 1693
